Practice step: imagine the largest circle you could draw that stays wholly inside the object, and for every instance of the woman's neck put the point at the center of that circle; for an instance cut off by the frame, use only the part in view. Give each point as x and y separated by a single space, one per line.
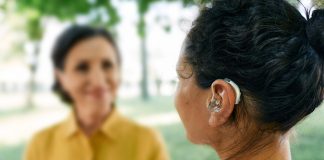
277 148
90 118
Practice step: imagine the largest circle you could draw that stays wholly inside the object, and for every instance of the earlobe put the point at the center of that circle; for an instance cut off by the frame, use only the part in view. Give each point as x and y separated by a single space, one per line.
213 122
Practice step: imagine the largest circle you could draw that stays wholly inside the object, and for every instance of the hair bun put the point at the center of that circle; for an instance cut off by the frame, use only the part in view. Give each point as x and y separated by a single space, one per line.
315 31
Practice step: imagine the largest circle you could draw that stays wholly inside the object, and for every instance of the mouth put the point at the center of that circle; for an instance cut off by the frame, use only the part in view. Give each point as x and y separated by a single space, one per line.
97 93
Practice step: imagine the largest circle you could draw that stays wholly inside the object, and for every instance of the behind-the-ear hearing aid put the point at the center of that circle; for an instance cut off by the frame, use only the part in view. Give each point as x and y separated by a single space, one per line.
236 89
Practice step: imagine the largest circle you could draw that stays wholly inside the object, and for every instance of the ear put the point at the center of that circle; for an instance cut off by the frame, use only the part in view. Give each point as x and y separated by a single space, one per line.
60 77
225 94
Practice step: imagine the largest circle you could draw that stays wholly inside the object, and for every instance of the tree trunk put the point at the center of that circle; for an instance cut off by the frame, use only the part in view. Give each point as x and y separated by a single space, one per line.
144 81
31 88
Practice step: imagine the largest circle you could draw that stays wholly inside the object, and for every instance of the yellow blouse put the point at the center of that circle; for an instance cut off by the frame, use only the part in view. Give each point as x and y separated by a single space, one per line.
117 139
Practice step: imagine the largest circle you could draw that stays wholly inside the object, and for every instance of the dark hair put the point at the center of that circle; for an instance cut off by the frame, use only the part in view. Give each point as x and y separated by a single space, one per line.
269 49
70 37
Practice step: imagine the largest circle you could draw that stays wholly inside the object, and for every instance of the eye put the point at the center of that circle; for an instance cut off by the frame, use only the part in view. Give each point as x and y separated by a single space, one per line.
184 71
82 67
107 65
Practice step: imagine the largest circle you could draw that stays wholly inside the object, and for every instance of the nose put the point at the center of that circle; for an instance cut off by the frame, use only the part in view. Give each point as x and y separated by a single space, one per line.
97 78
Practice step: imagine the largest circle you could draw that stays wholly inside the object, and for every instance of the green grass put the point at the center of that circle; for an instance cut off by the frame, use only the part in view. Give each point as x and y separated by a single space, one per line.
11 152
307 145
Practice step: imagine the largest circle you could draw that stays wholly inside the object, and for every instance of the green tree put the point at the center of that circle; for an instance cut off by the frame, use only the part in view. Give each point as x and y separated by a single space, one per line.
35 10
35 32
143 7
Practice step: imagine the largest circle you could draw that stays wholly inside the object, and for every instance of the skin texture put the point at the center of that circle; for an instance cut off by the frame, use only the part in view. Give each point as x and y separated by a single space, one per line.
214 128
91 77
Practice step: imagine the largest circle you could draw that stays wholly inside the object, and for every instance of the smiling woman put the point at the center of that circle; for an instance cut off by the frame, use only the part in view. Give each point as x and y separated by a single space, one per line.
87 70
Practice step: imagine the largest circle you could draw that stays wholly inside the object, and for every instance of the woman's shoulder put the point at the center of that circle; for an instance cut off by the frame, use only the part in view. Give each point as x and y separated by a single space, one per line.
141 131
49 131
47 135
137 127
146 131
41 141
148 141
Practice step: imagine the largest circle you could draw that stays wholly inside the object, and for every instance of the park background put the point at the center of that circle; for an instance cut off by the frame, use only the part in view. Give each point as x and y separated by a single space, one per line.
149 34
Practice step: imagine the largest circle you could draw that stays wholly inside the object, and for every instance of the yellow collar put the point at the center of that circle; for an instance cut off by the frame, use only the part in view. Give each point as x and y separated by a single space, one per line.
110 128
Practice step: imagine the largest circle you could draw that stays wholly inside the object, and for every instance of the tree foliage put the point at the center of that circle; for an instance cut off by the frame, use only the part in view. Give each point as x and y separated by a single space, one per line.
319 3
34 10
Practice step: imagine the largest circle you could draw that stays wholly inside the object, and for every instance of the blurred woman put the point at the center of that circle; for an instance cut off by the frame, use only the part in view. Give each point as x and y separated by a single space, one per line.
249 71
87 68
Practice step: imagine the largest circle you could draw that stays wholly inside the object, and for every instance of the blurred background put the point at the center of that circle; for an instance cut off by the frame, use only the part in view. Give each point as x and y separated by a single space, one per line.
149 34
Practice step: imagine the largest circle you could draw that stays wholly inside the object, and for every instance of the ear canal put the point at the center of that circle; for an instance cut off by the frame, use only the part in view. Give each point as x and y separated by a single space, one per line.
214 105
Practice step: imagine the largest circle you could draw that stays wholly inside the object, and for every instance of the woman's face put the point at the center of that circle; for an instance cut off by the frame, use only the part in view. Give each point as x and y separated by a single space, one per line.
91 73
191 102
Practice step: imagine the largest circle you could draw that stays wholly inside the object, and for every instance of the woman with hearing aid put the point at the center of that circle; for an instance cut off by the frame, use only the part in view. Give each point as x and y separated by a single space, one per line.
249 71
